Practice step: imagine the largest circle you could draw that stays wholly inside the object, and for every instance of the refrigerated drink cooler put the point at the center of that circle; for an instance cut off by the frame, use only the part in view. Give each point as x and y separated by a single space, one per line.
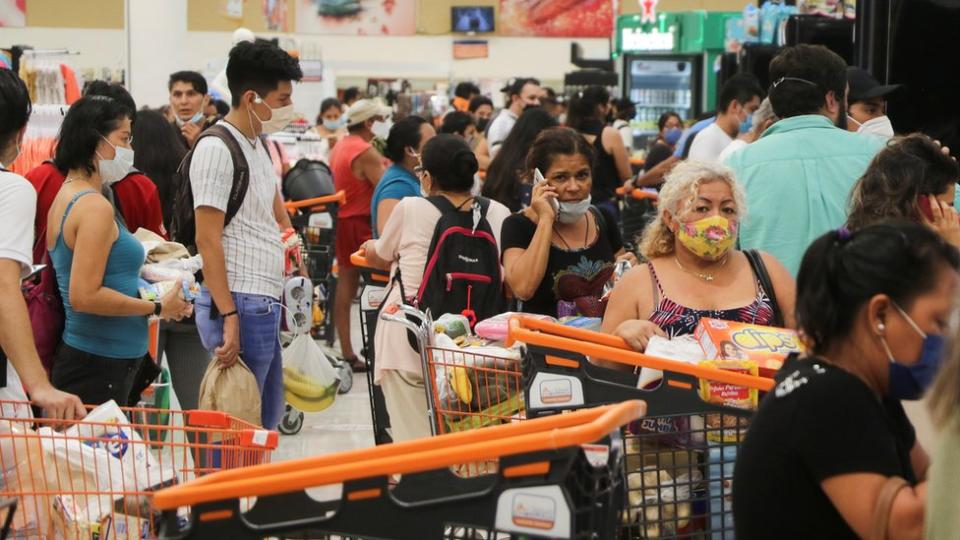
670 64
658 85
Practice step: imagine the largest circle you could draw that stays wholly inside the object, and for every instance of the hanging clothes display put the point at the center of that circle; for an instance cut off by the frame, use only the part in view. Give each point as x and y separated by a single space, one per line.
49 77
40 140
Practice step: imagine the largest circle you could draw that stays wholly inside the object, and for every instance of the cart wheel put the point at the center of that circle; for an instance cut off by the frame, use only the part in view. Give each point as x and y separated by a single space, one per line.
292 421
346 378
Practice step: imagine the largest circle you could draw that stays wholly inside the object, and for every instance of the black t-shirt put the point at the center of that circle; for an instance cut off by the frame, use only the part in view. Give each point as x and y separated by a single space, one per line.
606 178
570 274
820 421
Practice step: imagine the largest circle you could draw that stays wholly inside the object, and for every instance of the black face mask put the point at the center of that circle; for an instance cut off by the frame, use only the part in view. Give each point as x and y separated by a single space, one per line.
530 106
482 124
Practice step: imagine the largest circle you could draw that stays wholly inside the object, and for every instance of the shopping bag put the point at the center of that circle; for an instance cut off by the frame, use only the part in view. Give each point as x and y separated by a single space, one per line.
232 390
310 382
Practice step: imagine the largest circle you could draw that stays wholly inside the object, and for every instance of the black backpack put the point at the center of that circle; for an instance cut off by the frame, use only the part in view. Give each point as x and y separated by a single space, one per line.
183 225
462 274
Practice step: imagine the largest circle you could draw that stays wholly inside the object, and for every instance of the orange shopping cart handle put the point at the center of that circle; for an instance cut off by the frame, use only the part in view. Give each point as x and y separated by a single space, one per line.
339 197
359 259
549 433
608 347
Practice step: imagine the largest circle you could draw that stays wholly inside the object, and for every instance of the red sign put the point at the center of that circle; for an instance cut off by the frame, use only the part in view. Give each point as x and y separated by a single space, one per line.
649 11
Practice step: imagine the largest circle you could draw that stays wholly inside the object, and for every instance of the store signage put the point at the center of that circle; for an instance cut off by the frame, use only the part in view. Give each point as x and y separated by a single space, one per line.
636 39
649 8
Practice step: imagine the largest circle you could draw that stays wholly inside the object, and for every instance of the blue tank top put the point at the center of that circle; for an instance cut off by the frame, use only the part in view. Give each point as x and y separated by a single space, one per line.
112 337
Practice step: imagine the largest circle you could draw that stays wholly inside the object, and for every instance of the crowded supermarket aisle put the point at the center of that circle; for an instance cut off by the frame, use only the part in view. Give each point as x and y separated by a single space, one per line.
502 269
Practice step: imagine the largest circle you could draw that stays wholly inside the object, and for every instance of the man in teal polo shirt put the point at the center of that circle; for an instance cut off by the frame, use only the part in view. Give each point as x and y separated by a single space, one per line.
798 176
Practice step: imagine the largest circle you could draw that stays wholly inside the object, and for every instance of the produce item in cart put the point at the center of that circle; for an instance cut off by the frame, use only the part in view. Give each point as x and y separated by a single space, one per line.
452 325
729 340
232 390
310 382
495 328
473 380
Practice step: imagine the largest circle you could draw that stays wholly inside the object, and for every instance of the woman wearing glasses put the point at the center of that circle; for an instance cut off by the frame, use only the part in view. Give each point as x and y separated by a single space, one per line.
97 261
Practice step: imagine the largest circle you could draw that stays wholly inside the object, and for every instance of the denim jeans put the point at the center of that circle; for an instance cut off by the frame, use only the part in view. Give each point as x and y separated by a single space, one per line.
259 345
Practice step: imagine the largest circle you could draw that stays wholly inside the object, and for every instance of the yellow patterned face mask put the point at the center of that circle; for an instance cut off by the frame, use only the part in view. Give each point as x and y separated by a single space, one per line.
708 238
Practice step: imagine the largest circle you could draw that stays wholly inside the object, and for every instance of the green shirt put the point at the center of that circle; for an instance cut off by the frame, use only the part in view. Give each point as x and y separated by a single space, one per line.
798 177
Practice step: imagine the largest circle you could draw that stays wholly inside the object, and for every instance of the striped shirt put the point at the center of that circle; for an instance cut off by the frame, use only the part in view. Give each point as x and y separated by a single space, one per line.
251 241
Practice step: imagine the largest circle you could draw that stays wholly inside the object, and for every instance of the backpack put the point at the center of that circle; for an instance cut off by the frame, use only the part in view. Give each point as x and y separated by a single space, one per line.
462 275
183 225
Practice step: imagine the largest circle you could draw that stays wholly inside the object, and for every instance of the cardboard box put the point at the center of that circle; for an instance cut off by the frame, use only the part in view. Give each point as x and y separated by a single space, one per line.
729 340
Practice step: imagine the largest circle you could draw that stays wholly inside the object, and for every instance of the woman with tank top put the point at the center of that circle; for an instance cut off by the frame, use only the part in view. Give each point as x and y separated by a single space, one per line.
693 270
611 167
97 262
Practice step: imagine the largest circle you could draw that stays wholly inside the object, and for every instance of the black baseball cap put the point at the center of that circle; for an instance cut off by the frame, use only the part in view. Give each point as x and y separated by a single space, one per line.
864 86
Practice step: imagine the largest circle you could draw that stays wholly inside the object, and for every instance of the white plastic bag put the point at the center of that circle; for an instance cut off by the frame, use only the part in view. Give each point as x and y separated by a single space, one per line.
310 382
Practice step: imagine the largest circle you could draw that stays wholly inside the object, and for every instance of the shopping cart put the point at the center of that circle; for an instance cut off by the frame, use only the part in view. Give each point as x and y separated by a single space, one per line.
465 390
557 477
95 479
315 220
639 210
373 291
680 457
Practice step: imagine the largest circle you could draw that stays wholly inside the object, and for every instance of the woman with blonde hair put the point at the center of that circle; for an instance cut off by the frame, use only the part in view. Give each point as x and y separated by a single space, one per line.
942 516
692 268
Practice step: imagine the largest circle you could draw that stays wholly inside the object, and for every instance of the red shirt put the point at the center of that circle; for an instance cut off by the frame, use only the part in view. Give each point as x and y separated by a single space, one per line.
136 195
358 190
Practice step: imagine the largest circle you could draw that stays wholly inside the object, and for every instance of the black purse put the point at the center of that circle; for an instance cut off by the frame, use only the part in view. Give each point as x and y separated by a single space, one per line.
760 270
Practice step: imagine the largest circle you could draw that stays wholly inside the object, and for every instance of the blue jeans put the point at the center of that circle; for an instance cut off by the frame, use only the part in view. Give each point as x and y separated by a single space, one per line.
259 345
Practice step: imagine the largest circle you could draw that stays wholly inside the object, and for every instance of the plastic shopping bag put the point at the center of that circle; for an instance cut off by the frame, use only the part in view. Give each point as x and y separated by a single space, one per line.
233 390
310 382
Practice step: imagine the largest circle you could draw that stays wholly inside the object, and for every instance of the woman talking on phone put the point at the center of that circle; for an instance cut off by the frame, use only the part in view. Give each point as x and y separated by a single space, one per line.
559 252
911 178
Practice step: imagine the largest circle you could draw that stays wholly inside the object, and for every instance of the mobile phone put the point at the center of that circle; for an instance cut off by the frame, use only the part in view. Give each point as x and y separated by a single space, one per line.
539 179
34 272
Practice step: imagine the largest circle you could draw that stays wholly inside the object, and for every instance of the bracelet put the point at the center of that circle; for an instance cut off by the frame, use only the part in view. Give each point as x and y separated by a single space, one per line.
231 314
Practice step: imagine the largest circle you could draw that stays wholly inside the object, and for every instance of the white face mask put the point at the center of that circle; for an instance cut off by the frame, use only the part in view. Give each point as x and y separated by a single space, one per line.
380 129
116 169
571 211
279 118
880 126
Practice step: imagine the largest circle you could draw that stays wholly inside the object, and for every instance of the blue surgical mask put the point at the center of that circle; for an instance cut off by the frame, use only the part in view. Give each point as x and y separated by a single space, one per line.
910 382
571 211
672 136
333 125
746 124
195 119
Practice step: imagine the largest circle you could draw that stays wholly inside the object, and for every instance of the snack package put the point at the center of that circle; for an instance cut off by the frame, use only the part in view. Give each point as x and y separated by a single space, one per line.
587 323
730 395
767 346
495 328
155 291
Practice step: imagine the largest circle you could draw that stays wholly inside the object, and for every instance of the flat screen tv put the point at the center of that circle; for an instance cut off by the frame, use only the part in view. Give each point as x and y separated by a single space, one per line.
475 19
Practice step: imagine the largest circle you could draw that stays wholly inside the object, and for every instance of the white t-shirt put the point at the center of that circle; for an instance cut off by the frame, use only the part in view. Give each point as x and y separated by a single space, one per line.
737 144
252 248
18 207
708 144
499 129
406 238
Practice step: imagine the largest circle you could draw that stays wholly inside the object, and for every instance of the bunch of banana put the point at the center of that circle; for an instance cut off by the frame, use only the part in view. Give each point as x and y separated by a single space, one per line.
306 393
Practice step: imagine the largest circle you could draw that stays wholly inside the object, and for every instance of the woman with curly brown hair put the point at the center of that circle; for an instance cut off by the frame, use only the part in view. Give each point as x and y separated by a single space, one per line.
909 179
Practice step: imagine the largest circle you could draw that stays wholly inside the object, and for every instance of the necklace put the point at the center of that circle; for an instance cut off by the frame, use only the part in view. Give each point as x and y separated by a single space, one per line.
586 235
702 275
75 178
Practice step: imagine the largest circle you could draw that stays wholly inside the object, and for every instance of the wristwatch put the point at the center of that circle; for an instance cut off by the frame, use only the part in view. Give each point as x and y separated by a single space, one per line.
157 308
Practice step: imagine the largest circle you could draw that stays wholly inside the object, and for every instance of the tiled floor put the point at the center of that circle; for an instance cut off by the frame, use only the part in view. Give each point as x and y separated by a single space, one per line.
344 426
